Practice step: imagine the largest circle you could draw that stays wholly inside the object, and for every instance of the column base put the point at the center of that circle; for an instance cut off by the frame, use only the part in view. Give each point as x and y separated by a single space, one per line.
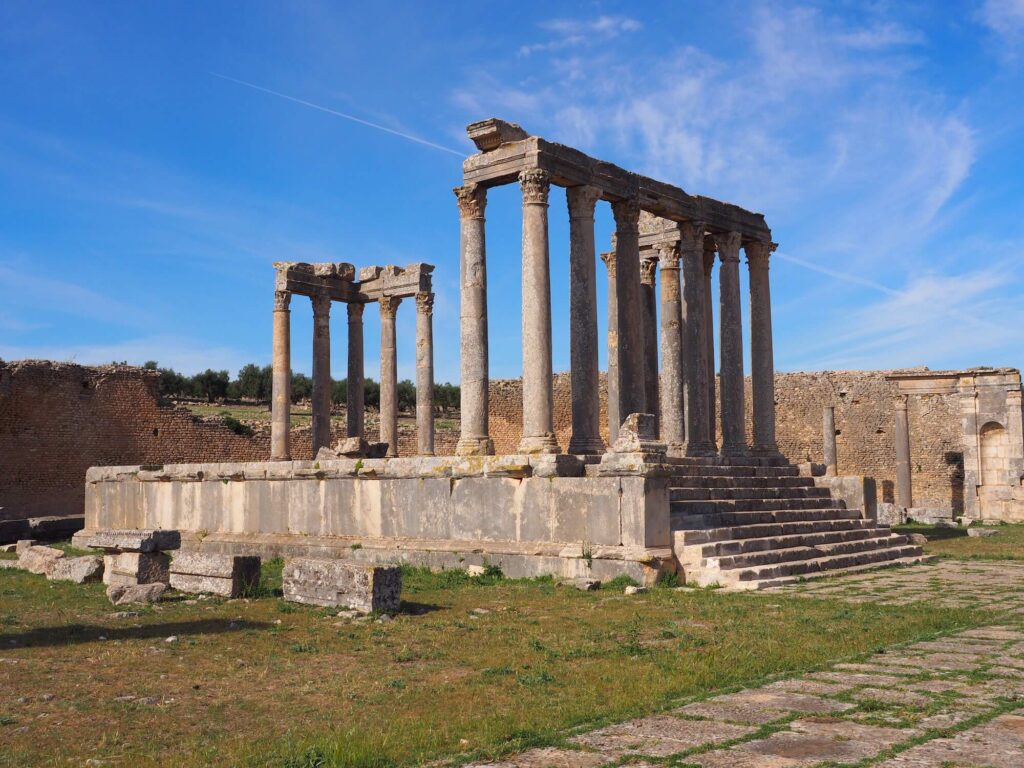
280 458
585 446
766 451
545 443
675 450
701 449
474 446
739 449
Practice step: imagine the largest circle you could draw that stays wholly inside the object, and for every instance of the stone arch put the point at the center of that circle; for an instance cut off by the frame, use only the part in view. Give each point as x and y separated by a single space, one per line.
994 458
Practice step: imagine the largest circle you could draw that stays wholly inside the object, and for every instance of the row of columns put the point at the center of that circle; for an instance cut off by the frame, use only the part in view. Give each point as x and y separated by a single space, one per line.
280 447
686 387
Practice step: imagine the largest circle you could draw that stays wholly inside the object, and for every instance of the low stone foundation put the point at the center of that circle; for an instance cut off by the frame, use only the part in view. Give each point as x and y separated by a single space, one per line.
528 515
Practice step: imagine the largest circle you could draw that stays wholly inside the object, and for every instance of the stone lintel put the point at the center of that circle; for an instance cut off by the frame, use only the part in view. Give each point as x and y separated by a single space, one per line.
317 280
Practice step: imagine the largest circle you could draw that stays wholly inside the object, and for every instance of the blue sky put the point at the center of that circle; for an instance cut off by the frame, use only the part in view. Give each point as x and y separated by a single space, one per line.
143 196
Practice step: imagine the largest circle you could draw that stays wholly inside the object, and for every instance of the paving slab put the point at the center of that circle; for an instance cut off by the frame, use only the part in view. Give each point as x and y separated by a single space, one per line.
813 741
660 736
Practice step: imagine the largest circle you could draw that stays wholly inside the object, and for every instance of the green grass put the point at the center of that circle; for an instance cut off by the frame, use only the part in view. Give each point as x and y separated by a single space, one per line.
954 543
476 667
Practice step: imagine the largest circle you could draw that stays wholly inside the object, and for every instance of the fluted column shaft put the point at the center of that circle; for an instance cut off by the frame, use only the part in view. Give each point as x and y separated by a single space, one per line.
612 399
648 269
321 372
762 363
734 441
709 335
355 399
828 434
629 315
538 400
388 374
672 432
281 398
474 438
425 374
904 482
583 357
695 373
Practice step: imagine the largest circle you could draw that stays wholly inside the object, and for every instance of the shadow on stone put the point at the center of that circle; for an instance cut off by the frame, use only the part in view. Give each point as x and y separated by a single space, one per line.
73 634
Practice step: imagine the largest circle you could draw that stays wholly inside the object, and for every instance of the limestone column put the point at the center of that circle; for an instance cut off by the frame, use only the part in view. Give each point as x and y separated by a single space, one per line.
425 374
355 400
474 439
321 372
583 357
538 399
612 399
904 485
388 374
734 441
672 432
648 267
281 399
629 314
695 373
762 364
710 249
828 434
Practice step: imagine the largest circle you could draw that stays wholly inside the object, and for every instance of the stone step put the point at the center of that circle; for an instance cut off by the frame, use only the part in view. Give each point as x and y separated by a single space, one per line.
705 507
689 537
724 481
734 494
728 547
718 470
682 520
830 563
783 581
795 554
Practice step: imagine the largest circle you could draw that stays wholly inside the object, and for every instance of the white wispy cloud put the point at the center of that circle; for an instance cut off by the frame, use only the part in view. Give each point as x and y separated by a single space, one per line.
571 33
1005 18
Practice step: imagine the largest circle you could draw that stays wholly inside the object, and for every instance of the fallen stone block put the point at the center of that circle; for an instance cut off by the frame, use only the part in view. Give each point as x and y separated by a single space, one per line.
918 538
10 564
38 559
224 575
132 540
24 544
131 568
9 548
337 583
125 594
981 532
81 570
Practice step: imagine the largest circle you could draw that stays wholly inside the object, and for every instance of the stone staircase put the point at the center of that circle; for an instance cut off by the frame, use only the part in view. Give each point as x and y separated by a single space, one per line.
749 523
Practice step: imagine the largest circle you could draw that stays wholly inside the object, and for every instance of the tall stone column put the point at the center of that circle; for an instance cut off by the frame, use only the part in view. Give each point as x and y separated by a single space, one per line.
648 268
629 314
904 484
425 374
583 357
355 400
281 398
762 364
321 372
612 399
828 435
388 374
672 432
710 248
695 369
474 439
538 399
734 441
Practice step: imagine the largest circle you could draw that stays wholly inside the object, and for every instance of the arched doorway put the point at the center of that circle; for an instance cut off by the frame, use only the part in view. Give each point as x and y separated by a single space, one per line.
994 493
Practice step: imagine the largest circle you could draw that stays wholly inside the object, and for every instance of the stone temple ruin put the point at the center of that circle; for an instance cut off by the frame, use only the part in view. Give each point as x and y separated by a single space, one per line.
662 497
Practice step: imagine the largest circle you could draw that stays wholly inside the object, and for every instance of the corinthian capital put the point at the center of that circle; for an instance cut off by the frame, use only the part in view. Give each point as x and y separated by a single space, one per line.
281 300
472 200
608 257
321 305
758 252
728 244
691 238
669 253
389 306
535 184
425 303
648 265
355 312
581 201
627 215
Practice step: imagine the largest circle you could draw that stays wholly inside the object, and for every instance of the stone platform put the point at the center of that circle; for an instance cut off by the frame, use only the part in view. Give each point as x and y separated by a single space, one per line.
742 523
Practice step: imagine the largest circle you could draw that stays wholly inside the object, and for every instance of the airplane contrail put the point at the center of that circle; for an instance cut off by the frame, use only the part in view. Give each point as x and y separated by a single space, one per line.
336 113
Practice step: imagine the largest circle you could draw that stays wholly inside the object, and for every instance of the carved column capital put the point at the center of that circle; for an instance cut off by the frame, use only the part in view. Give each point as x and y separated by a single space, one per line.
627 215
282 299
648 265
691 237
710 249
758 252
900 401
608 257
472 199
728 244
582 201
425 303
389 306
321 305
355 311
535 184
669 255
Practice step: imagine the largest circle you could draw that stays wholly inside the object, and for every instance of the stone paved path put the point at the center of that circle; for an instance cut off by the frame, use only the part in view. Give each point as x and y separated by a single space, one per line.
957 702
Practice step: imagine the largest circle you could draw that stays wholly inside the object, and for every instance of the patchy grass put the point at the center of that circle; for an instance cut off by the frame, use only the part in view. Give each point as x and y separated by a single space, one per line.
954 543
473 666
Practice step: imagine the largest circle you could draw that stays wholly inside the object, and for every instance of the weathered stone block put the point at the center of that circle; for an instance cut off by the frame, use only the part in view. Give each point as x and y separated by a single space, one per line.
24 544
336 583
132 540
224 575
38 559
124 594
81 570
130 568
